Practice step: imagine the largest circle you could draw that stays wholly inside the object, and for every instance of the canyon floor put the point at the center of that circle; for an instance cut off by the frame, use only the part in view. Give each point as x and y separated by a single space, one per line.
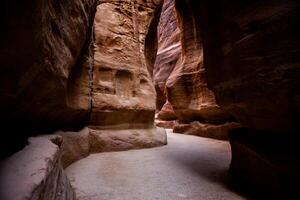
189 167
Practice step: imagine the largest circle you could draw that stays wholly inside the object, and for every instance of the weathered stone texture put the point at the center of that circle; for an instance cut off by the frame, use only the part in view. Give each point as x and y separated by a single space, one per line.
169 50
251 55
44 79
123 92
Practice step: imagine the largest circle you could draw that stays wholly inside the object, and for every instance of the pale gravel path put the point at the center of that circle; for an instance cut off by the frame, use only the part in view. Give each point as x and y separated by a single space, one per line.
189 167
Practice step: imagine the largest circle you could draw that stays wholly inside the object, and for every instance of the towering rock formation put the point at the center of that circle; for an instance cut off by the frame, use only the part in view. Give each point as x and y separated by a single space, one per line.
187 89
169 50
251 60
123 92
44 79
180 77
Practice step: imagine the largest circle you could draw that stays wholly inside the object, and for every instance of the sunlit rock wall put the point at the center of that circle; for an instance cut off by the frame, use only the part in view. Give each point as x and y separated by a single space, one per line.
123 92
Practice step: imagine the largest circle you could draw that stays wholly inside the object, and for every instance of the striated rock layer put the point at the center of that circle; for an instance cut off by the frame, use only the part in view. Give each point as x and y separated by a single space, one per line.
123 93
251 61
251 55
187 88
169 50
179 73
219 131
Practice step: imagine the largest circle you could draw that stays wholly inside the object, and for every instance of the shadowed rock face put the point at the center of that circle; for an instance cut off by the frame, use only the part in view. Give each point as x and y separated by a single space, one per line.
42 48
179 72
44 80
123 92
186 86
251 58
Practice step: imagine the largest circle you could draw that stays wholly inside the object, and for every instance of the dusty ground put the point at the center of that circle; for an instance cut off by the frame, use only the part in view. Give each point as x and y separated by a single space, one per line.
189 167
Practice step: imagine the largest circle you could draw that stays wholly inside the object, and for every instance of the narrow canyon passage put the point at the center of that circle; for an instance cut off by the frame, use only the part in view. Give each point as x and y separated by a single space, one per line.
188 167
89 88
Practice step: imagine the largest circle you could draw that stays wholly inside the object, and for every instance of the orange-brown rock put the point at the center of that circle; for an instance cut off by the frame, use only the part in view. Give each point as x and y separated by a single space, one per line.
251 60
251 55
77 145
123 92
219 131
165 124
167 113
169 50
187 88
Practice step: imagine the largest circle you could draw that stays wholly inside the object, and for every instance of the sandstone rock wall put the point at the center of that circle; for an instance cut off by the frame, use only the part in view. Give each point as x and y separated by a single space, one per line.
169 50
44 79
123 92
251 58
180 77
187 89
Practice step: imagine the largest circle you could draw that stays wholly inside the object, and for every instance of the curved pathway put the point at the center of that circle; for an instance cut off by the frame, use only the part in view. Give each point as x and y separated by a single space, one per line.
189 167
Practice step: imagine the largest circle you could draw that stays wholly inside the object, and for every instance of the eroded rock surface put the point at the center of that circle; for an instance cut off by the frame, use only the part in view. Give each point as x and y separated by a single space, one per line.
77 145
123 93
169 50
44 78
37 171
187 88
216 131
179 73
251 58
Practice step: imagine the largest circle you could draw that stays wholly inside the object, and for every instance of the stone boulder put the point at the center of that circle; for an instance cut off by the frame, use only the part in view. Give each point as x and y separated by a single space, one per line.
78 145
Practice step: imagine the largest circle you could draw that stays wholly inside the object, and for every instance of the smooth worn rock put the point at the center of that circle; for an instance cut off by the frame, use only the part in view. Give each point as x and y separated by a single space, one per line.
44 78
123 92
179 74
78 145
187 88
169 50
165 124
251 55
75 146
219 131
35 173
120 140
166 113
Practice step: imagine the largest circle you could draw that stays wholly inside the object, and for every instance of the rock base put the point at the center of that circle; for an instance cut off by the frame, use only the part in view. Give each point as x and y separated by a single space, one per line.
219 132
165 124
77 145
37 171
